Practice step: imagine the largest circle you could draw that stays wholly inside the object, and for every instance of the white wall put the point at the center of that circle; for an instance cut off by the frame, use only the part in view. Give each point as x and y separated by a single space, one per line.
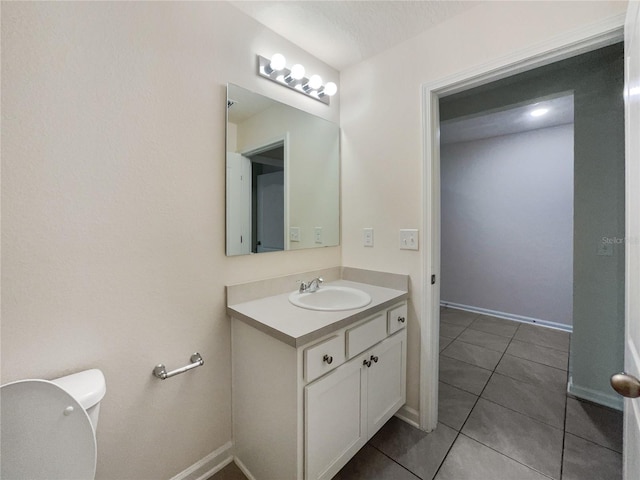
113 194
507 224
382 129
113 215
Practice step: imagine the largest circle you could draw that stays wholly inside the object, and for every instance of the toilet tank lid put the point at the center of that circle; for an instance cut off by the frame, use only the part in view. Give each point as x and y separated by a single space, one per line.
87 387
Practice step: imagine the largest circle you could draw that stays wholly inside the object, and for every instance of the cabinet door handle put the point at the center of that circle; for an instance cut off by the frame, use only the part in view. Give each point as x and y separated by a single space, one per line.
328 359
366 362
401 319
374 358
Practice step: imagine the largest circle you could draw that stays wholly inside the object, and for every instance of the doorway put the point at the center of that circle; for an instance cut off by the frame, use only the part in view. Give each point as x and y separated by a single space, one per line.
257 198
587 40
267 199
597 81
507 178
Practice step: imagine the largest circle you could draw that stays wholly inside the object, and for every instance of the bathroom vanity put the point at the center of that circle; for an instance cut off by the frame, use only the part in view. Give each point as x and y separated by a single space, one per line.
311 387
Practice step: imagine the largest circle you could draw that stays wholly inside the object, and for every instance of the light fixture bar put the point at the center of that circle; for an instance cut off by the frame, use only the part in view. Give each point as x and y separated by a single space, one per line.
285 78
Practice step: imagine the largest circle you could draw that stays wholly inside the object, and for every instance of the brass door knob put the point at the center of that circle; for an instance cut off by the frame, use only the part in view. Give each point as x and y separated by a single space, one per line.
626 385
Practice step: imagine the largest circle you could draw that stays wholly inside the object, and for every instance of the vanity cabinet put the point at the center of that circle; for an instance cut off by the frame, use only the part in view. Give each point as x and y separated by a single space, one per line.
347 407
302 413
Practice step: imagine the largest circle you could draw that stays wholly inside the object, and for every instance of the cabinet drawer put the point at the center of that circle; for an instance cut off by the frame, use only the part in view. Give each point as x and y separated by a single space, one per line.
323 357
397 318
365 335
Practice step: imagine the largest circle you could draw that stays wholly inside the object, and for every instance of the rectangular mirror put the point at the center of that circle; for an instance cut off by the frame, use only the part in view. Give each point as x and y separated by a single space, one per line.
283 176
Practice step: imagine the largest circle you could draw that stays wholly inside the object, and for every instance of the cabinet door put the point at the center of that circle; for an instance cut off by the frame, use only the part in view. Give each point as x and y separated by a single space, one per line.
386 381
335 421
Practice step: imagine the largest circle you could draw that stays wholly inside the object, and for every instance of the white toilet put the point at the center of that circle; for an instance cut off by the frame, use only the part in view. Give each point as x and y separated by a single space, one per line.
48 427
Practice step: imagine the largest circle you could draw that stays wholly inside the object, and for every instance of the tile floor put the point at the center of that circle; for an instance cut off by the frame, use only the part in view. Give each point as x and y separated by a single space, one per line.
503 413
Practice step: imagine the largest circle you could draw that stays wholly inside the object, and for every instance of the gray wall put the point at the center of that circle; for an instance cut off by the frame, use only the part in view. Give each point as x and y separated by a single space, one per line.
507 224
596 78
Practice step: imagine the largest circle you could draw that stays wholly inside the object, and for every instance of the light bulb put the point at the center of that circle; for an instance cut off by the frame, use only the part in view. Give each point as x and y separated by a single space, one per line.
278 62
330 89
297 72
315 82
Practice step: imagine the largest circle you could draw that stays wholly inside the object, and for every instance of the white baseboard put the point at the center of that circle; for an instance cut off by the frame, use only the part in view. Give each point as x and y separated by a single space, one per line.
409 415
507 316
244 470
206 467
610 400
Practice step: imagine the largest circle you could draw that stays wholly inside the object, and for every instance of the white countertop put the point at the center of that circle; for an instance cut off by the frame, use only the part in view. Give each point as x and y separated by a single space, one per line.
298 326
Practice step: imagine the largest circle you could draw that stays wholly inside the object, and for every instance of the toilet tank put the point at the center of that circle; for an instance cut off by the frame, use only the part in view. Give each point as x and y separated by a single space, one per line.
88 388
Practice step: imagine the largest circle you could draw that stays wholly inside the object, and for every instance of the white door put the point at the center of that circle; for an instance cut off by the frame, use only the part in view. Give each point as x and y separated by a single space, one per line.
631 457
238 204
270 212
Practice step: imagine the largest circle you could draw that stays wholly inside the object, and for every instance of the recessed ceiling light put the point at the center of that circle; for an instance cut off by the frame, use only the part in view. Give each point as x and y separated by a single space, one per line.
539 112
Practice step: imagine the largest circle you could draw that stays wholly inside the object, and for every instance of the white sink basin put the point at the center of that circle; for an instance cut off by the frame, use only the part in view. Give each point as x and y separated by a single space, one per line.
331 298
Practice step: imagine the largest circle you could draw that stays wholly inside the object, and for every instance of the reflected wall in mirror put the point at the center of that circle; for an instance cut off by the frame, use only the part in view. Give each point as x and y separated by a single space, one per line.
283 176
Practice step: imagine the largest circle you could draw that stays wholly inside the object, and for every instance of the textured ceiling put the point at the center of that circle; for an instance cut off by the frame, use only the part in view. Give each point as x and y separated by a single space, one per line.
342 33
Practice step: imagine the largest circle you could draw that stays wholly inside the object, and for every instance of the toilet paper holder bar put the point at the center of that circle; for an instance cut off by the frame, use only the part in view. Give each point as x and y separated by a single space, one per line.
160 370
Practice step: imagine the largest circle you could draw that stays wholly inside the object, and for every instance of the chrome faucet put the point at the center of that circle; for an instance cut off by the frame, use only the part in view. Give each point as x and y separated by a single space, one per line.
311 286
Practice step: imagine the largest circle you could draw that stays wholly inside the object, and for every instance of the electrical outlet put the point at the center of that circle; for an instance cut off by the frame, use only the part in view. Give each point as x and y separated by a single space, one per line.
317 234
408 239
367 237
294 234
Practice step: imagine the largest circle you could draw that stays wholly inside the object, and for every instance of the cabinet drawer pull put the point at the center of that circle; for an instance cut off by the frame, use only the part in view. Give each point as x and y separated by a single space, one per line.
401 319
366 362
328 359
374 358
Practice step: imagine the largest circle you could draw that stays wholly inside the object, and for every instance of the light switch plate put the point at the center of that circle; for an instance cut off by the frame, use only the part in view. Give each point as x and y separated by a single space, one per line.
317 234
367 237
408 239
294 234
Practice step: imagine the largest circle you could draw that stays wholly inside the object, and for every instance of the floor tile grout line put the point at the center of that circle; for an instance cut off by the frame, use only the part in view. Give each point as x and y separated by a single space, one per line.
562 350
594 443
542 386
523 414
393 460
507 456
444 458
464 361
476 345
529 383
538 363
467 362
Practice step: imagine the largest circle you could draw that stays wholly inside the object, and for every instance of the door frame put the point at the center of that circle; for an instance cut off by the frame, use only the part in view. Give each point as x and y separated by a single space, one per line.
268 145
601 34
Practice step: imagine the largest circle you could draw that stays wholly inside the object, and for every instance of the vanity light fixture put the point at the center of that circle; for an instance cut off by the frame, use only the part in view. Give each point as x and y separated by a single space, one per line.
295 75
275 69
